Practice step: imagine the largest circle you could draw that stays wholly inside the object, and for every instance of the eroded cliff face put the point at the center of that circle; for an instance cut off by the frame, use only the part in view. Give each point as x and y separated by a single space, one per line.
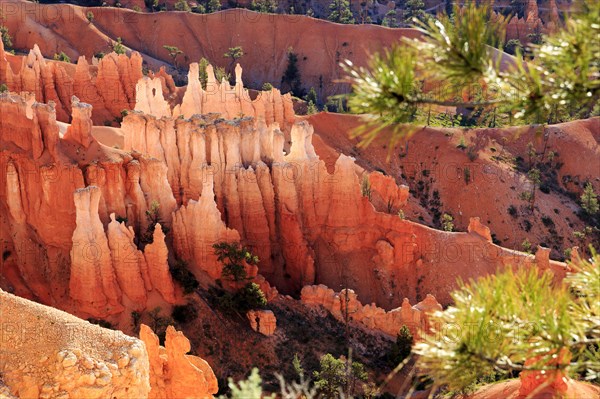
215 180
108 85
58 195
50 354
345 304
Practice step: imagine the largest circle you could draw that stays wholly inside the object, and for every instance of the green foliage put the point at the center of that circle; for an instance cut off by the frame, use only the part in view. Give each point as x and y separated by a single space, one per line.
90 16
203 75
311 108
447 224
153 218
267 86
62 57
312 96
3 88
220 73
249 388
182 274
235 53
387 92
401 214
402 348
562 83
514 47
6 38
291 75
182 5
207 6
173 51
467 175
337 377
414 12
365 187
589 200
339 11
99 55
391 19
512 317
265 6
159 323
250 297
298 366
234 258
526 245
184 313
118 47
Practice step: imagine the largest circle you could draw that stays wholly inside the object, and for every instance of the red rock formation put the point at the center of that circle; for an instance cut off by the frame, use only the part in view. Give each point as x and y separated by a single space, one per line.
233 102
80 130
108 87
345 303
476 227
129 263
156 255
386 196
173 374
262 321
93 283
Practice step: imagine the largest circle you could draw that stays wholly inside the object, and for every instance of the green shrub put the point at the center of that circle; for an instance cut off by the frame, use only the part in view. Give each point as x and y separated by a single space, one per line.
62 57
339 377
233 257
402 348
185 278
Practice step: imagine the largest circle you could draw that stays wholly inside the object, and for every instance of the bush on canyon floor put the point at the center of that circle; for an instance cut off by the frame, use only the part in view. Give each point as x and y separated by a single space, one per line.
503 320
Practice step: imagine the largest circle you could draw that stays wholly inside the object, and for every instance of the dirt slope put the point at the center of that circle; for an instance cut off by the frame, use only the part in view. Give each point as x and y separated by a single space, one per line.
497 160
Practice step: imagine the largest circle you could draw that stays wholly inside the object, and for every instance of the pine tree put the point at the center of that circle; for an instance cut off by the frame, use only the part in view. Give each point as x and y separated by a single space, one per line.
339 11
414 9
589 200
213 6
390 20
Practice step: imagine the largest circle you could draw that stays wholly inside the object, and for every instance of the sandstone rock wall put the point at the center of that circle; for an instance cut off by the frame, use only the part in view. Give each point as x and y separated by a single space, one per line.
51 354
47 353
